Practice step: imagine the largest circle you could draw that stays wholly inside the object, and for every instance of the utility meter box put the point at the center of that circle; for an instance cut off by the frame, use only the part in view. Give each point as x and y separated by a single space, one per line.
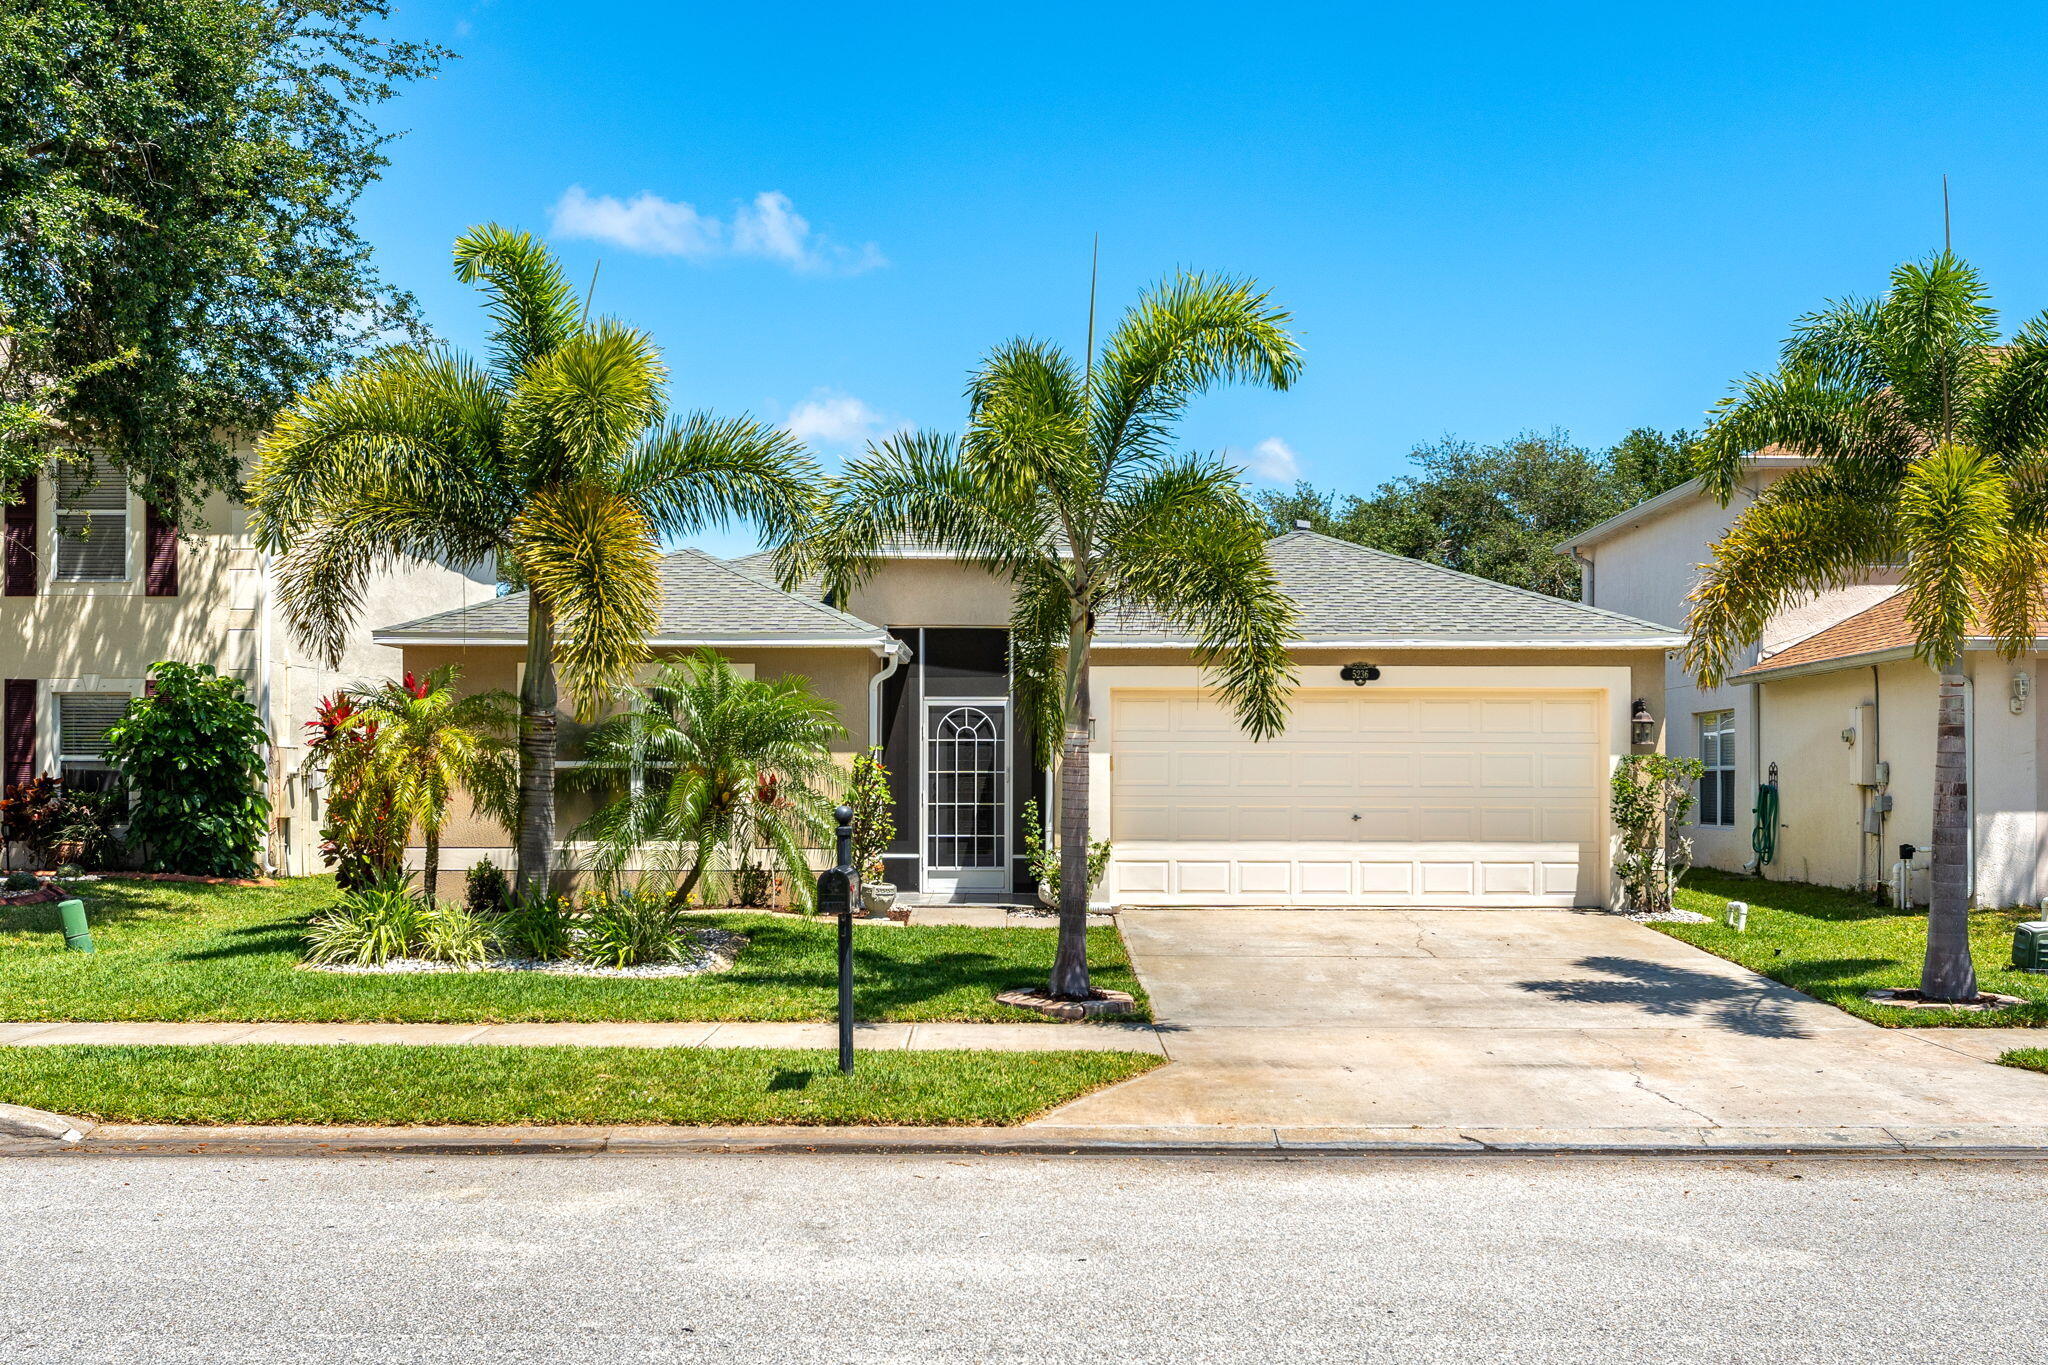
2030 946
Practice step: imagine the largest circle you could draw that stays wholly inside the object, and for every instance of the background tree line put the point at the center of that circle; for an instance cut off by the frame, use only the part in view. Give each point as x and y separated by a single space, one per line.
1499 510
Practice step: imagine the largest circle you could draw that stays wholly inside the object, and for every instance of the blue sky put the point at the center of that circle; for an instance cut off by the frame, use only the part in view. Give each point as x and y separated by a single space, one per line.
1485 219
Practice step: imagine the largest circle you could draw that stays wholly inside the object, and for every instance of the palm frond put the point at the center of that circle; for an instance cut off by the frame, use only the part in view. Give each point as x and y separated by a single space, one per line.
1027 429
1801 412
915 486
590 555
575 411
702 472
1040 626
1193 548
1180 339
1952 513
532 305
1810 531
2009 415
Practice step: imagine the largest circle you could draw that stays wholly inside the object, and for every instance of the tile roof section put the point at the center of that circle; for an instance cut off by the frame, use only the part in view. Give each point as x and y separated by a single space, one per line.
702 599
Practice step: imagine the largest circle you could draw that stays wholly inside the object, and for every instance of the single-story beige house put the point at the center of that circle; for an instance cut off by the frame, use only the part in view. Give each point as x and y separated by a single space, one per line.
1470 769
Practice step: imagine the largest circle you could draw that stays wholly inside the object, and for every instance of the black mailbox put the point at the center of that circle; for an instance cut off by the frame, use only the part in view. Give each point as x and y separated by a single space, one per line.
835 891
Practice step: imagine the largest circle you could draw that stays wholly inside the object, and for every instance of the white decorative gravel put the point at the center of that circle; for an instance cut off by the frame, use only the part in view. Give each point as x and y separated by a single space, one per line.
708 950
1671 916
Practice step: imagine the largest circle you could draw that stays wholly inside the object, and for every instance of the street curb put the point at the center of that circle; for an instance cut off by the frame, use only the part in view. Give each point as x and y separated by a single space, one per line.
1256 1143
19 1121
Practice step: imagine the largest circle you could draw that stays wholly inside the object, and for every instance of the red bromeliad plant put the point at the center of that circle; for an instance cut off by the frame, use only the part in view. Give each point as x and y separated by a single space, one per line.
363 838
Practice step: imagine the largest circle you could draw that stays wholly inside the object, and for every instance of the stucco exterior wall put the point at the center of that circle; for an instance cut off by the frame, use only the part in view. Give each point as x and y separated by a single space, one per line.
934 593
1649 569
839 675
103 637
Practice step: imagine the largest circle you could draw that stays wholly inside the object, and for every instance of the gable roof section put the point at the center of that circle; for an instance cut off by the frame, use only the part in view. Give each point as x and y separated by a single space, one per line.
1877 633
704 601
1347 594
1671 498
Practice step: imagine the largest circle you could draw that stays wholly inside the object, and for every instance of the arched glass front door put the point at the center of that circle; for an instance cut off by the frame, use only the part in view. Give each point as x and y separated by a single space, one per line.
967 795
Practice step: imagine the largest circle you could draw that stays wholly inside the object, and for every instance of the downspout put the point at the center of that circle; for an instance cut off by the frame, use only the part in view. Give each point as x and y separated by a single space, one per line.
891 653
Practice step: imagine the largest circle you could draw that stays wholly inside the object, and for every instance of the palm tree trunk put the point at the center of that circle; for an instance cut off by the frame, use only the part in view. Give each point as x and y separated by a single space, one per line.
1070 959
1947 973
537 751
430 865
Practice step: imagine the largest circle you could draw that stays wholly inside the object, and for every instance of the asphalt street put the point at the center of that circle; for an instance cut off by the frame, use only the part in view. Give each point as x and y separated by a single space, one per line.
940 1259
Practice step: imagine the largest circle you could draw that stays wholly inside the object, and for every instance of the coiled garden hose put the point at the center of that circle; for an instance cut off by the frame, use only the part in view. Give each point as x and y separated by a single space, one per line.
1763 840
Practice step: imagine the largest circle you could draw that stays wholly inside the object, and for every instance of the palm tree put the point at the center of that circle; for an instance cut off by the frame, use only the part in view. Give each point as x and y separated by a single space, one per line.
425 742
706 763
556 460
1066 484
1929 443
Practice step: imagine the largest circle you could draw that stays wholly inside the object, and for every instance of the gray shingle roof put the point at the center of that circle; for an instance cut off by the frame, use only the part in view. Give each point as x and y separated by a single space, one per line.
1346 593
703 599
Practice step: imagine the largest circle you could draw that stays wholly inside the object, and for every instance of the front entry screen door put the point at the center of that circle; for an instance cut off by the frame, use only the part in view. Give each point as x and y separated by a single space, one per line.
967 767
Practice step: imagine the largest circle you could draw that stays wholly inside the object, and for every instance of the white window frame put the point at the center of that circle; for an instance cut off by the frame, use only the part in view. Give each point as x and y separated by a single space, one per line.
80 688
1722 760
52 513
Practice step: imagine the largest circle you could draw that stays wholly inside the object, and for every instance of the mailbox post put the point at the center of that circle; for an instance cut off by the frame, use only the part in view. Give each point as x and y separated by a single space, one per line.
835 897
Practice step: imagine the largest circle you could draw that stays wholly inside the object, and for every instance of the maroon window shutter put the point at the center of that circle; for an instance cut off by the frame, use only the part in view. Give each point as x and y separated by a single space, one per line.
20 571
160 556
18 721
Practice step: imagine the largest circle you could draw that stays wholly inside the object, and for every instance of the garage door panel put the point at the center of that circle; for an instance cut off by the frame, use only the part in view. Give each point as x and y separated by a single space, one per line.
1370 798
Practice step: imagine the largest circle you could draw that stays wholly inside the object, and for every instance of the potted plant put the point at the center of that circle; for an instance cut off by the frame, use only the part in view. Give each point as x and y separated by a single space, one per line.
874 829
1044 859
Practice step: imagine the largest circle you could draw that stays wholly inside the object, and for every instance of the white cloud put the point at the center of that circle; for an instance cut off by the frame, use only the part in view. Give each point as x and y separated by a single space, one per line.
1275 461
829 418
769 228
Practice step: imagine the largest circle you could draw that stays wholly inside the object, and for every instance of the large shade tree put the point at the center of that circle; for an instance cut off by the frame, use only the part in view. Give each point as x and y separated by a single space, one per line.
556 460
1929 442
1067 483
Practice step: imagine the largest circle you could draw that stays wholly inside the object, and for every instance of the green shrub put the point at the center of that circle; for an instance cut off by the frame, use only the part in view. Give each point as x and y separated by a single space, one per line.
535 925
627 929
485 890
22 881
450 933
751 885
373 924
192 752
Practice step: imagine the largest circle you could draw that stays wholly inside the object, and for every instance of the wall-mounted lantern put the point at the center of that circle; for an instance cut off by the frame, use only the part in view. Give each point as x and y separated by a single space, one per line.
1642 726
1358 675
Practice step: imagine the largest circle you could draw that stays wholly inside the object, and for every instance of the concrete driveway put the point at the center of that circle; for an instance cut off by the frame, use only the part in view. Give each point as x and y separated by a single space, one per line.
1516 1025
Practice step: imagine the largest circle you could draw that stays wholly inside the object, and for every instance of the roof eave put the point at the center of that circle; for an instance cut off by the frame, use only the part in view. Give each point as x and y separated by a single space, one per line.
471 641
1412 642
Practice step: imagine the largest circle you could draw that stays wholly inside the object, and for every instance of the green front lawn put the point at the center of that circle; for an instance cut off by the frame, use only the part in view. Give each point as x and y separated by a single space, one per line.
2025 1058
1835 945
181 951
549 1085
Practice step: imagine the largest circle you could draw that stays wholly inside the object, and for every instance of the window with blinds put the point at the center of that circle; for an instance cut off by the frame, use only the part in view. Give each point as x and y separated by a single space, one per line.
83 719
1717 755
92 523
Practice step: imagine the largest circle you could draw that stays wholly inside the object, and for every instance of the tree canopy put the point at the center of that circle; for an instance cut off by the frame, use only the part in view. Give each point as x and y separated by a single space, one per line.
1497 511
178 254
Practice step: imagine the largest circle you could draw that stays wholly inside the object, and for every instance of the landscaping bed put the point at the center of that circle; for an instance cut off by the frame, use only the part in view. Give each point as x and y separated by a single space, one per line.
176 951
398 1085
1837 946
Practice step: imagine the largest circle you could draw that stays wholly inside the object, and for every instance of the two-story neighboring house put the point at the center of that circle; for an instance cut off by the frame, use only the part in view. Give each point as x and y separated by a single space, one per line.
98 586
1449 742
1832 710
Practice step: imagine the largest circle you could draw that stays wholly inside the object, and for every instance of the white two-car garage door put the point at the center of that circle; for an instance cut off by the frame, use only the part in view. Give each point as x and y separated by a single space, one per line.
1426 797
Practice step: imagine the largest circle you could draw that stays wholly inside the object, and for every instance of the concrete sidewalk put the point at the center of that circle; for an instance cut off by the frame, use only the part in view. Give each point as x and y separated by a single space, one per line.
869 1037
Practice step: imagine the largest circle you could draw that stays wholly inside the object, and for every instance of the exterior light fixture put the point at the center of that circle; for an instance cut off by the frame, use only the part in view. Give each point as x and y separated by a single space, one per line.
1642 726
1358 675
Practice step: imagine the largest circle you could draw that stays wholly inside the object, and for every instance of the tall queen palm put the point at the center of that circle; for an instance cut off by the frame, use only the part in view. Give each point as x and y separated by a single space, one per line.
1929 448
556 460
1066 484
